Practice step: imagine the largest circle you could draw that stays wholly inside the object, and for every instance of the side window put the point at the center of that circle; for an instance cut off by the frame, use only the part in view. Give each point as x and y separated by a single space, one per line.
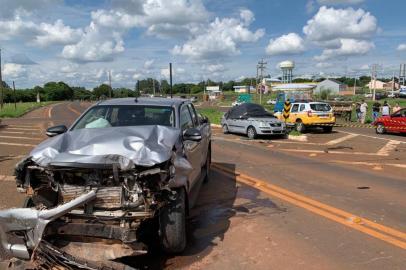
295 108
302 107
185 118
194 114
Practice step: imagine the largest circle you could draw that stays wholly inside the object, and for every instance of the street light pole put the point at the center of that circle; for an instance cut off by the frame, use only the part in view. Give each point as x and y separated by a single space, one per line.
15 102
170 78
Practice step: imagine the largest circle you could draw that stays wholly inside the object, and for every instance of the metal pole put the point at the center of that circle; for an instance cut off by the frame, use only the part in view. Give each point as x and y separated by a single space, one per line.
110 83
170 78
15 102
355 83
1 86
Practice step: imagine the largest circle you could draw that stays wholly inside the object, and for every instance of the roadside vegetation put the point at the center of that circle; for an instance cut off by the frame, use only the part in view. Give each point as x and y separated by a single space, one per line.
213 114
9 111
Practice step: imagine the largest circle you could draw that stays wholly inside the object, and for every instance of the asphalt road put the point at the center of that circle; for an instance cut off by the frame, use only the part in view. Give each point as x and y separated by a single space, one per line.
335 201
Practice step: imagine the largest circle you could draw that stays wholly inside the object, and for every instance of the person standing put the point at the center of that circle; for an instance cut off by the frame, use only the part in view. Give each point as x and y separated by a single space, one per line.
363 109
358 111
375 110
385 109
396 108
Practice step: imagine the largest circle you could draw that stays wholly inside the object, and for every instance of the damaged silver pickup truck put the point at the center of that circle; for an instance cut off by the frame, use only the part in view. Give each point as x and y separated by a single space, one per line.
95 189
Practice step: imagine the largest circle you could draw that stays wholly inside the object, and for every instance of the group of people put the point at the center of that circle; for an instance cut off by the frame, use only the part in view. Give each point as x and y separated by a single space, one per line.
362 108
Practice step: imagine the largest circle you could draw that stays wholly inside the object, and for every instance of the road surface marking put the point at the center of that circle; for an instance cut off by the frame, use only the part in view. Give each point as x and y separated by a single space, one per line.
364 225
18 144
390 146
73 110
50 111
18 137
7 178
369 136
21 126
13 132
403 166
342 139
330 152
17 128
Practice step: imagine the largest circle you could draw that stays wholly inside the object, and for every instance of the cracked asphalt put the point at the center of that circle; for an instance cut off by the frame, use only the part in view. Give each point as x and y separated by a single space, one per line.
334 202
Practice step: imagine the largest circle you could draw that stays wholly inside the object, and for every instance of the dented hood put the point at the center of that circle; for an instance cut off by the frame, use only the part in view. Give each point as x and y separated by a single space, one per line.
126 146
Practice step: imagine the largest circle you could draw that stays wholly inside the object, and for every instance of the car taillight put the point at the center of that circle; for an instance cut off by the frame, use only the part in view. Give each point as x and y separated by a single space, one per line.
309 113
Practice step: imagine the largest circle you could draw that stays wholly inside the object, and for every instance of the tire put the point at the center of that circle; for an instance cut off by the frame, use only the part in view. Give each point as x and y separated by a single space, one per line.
207 165
225 129
380 128
251 132
28 203
300 127
172 225
328 129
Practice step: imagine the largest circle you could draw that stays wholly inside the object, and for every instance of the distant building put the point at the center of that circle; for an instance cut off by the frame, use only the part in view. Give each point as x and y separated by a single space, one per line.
296 91
335 87
380 85
243 88
214 92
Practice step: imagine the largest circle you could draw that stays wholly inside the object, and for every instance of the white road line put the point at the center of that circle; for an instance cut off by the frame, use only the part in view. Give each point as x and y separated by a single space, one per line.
50 112
368 136
23 138
18 144
390 146
330 152
403 166
342 139
13 132
30 129
7 178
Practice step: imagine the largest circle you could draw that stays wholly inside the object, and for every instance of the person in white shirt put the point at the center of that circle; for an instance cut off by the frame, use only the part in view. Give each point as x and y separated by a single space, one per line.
385 109
363 109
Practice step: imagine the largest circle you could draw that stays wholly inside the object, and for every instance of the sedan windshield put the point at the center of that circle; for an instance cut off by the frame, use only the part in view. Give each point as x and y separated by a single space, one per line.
121 116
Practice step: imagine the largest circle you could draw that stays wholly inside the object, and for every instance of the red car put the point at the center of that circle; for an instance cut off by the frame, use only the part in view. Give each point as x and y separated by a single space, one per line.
395 123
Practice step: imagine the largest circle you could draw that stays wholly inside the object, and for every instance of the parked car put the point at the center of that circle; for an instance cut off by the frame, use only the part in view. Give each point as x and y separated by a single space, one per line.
236 103
123 164
380 95
402 92
252 120
311 114
395 123
194 99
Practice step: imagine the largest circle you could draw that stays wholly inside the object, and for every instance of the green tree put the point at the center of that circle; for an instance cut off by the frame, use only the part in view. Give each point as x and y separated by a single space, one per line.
58 91
102 90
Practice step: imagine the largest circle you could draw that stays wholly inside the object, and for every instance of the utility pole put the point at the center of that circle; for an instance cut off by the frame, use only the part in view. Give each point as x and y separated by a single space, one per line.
153 86
355 84
374 71
170 78
1 86
261 67
110 90
15 102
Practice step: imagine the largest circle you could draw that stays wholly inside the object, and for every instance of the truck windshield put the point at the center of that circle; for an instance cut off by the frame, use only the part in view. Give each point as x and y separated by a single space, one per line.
320 107
104 116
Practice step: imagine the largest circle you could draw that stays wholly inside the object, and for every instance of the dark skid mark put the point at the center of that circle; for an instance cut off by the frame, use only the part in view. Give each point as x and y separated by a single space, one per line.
362 187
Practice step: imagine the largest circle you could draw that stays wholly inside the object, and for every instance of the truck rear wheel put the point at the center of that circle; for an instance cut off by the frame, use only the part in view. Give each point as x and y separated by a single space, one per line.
172 225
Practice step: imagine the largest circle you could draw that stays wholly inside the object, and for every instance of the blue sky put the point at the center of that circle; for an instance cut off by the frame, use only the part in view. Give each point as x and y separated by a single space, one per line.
79 41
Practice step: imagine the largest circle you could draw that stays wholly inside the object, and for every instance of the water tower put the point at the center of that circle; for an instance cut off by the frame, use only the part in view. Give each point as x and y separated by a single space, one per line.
287 68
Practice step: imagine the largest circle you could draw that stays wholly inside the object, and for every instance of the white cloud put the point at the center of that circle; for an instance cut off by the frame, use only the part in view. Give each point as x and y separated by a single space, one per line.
324 65
43 34
291 43
330 23
220 39
97 44
402 47
177 71
214 68
11 70
349 47
339 2
148 64
18 7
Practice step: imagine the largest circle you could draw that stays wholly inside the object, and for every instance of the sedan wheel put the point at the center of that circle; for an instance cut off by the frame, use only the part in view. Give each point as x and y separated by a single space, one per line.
380 129
251 133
